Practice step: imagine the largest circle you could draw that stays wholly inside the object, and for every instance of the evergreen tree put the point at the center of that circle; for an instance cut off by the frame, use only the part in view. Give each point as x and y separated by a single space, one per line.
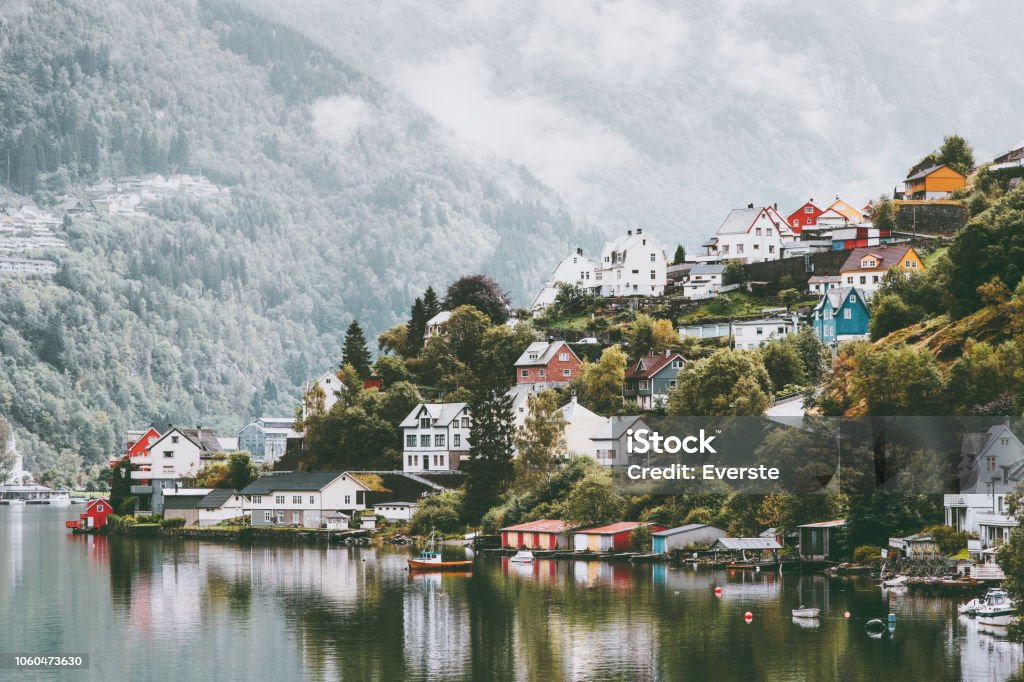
489 467
414 330
431 304
680 256
355 352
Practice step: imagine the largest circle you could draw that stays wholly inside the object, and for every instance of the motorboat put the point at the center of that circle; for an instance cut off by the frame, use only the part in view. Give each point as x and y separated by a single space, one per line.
522 557
806 612
998 609
430 560
971 608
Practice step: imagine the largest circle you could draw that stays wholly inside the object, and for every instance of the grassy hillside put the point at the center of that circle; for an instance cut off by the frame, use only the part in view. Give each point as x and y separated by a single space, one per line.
344 201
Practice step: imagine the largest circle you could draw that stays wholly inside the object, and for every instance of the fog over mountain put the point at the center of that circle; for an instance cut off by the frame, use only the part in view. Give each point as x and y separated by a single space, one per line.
666 115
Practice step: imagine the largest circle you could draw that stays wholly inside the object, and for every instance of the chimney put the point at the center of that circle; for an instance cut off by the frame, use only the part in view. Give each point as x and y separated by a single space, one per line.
776 206
579 251
639 231
668 352
572 399
629 233
750 205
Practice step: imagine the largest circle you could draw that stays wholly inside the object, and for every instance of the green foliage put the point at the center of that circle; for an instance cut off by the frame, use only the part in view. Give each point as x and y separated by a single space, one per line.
355 352
890 313
872 518
648 335
600 383
954 152
883 214
593 500
680 255
896 381
481 292
866 554
728 383
950 541
489 467
241 470
168 524
640 539
735 273
990 246
783 363
541 441
441 512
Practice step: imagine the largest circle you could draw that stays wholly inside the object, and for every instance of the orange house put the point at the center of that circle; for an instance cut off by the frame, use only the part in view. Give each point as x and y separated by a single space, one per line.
937 182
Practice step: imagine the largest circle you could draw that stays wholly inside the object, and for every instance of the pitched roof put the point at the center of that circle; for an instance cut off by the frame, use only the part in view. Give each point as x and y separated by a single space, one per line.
844 209
573 409
685 529
441 414
216 499
835 298
541 526
746 543
928 171
440 318
649 365
707 269
183 501
614 428
540 353
887 256
825 524
292 480
823 279
613 528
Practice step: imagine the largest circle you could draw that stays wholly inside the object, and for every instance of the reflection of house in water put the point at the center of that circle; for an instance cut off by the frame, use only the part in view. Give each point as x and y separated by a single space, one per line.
603 574
985 653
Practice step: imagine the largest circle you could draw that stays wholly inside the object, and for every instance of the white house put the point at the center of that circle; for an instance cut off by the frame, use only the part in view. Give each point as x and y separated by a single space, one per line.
633 265
330 384
819 285
704 281
751 334
991 466
435 437
610 441
395 511
575 269
435 325
580 426
303 498
751 235
220 505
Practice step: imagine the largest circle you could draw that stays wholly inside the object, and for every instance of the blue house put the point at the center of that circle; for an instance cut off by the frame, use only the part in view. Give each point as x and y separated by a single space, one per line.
650 378
841 315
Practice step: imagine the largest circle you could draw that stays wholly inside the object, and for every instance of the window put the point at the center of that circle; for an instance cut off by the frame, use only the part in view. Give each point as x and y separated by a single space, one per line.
1004 441
598 275
257 499
174 439
810 221
652 258
654 274
863 279
796 222
636 272
672 383
410 441
348 499
847 314
677 363
808 209
168 454
757 232
169 469
425 441
563 357
424 422
412 460
524 373
266 516
853 299
771 248
540 373
296 499
644 384
757 247
990 463
566 372
849 279
465 422
456 440
439 440
312 500
533 356
739 248
874 279
760 331
278 499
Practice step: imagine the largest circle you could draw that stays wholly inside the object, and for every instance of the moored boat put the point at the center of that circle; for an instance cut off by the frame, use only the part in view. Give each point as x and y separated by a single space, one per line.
430 560
522 557
998 609
806 612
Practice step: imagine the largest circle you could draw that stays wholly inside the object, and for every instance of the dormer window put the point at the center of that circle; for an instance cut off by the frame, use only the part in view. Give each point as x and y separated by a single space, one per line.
424 422
533 356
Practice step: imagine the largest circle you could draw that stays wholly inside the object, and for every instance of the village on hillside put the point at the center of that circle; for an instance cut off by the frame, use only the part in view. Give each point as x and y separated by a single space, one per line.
633 318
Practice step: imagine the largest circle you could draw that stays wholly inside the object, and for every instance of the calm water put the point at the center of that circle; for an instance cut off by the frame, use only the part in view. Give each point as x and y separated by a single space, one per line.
171 610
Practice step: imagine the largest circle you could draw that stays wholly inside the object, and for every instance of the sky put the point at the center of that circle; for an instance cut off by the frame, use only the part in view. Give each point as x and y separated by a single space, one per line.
665 115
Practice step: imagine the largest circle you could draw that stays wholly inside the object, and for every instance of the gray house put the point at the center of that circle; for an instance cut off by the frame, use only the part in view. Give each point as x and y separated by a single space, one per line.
649 379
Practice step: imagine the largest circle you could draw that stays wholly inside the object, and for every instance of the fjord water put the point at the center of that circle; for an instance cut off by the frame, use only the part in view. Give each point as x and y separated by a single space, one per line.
161 609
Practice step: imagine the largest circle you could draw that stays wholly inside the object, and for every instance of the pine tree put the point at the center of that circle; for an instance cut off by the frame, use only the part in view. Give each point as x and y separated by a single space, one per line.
489 467
355 351
680 255
431 305
414 330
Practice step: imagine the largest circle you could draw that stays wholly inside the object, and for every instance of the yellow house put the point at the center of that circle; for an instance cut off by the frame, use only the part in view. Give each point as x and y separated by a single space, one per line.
865 267
846 210
937 182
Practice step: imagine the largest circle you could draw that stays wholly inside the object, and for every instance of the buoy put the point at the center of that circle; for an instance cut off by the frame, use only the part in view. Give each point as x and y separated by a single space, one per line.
748 616
846 614
718 591
892 618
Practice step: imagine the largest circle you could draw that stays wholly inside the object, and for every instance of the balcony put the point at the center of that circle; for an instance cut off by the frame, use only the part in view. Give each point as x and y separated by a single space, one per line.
142 490
953 501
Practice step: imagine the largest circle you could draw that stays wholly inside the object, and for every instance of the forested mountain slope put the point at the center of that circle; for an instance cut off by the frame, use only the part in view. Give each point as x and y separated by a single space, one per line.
341 200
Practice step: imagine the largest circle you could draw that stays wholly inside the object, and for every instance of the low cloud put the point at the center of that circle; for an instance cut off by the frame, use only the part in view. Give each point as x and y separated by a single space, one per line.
336 119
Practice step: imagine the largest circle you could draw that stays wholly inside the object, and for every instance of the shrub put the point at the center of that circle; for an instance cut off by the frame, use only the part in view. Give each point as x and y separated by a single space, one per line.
178 522
640 539
866 553
151 518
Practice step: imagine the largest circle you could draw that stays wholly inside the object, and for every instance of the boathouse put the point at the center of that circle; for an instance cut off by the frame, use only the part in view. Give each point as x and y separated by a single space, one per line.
822 541
96 513
617 537
690 536
542 534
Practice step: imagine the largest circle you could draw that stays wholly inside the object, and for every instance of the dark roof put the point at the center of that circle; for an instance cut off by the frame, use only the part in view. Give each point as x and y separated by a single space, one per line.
928 171
216 498
652 365
182 501
204 438
888 256
293 480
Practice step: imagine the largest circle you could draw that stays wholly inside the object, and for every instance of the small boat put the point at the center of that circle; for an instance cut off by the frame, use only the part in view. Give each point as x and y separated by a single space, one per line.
430 560
522 557
971 608
806 612
998 609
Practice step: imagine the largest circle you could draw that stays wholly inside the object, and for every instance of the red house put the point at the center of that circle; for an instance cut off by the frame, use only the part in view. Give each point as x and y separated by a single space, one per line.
551 363
140 448
805 216
543 534
95 516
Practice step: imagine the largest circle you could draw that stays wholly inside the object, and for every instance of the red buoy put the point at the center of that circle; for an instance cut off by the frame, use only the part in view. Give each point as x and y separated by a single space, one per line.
748 616
718 591
846 614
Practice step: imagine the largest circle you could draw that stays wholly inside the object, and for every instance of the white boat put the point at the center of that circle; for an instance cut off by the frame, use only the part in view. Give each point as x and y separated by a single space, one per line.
998 609
971 608
895 582
806 612
16 500
522 557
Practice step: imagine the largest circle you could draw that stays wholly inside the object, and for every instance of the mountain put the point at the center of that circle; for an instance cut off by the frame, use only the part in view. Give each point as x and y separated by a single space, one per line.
328 197
666 114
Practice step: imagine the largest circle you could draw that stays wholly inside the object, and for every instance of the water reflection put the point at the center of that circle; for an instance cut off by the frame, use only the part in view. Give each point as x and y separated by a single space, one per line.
270 612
